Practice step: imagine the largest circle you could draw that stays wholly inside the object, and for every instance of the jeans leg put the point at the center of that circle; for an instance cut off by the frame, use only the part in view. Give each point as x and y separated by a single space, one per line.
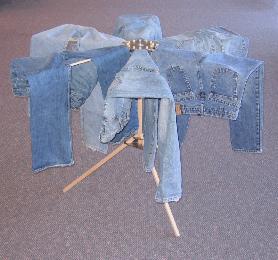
150 115
169 188
50 119
182 125
246 130
91 120
115 117
131 127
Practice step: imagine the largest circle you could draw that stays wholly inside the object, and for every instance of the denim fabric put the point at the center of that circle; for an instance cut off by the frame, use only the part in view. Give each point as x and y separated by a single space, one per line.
88 38
202 81
246 132
23 67
105 63
140 78
206 41
50 117
83 77
136 26
217 85
55 40
108 62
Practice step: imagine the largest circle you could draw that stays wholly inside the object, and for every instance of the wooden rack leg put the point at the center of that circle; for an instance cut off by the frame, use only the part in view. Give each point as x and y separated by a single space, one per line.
98 165
167 207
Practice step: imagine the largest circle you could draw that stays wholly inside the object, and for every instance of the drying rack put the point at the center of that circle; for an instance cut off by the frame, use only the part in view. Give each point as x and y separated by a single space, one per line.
136 141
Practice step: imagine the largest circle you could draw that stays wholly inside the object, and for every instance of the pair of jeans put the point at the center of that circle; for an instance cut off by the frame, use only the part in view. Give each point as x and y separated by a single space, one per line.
29 78
140 78
217 85
86 38
108 62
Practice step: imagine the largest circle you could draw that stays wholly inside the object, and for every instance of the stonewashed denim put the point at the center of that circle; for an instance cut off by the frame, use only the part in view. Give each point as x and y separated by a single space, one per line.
205 41
84 75
140 78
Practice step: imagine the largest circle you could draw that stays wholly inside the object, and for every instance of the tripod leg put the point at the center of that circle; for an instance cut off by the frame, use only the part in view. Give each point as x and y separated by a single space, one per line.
167 207
98 165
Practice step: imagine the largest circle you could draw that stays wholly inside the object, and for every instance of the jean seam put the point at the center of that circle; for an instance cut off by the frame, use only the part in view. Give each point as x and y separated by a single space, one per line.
259 71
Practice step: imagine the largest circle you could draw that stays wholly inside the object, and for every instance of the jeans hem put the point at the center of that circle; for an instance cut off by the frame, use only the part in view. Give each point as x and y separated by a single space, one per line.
125 137
148 170
175 198
246 150
94 149
52 166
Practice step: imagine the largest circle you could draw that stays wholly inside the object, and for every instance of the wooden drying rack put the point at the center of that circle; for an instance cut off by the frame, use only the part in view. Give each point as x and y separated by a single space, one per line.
136 141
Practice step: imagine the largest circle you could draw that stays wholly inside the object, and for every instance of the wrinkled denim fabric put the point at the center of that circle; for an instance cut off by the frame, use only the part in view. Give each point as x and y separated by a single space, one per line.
50 117
23 67
205 41
140 78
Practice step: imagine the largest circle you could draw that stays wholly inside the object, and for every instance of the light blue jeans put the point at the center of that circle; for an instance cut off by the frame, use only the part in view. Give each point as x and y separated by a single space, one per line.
140 78
207 71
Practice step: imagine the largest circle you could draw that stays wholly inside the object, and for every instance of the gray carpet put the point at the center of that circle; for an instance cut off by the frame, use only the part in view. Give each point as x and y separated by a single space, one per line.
229 205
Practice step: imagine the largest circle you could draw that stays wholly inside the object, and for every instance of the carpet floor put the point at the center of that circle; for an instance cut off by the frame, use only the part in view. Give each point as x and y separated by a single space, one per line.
229 206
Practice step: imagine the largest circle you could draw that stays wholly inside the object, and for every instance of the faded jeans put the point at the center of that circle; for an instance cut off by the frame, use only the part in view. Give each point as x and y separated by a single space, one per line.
29 78
140 78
